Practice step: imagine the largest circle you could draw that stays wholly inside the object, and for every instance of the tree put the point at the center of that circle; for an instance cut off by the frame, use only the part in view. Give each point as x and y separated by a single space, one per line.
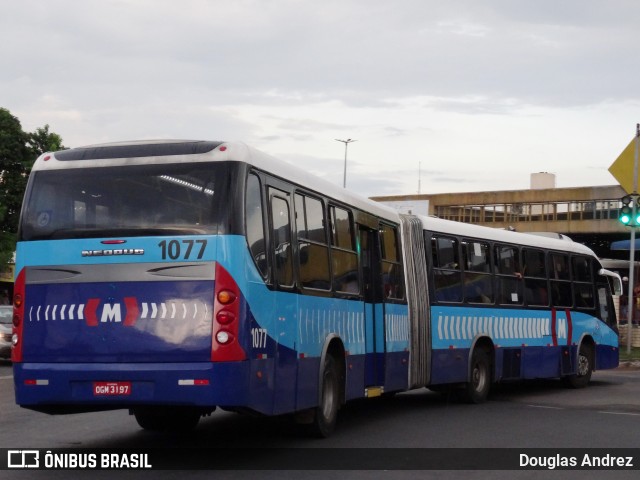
18 151
42 141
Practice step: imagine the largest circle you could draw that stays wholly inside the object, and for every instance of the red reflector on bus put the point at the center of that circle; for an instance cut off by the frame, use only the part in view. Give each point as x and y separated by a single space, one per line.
193 381
32 381
225 317
113 242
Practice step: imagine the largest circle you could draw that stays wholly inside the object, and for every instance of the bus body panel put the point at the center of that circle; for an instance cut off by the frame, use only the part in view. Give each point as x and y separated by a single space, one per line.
528 343
69 387
155 333
118 322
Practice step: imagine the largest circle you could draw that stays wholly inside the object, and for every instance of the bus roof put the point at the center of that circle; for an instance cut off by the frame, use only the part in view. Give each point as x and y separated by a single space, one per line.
476 231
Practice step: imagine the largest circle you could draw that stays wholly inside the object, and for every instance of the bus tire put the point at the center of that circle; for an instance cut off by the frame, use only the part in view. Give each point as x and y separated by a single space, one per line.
476 390
166 419
585 368
326 413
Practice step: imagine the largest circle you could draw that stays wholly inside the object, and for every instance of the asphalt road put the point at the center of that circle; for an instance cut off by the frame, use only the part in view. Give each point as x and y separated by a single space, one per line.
538 414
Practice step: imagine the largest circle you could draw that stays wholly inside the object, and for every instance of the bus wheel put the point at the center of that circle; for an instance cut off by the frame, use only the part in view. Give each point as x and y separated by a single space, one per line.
326 413
585 368
166 419
477 389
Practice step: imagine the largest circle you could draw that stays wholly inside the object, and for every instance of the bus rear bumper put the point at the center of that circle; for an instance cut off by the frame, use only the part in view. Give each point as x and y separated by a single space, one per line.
77 387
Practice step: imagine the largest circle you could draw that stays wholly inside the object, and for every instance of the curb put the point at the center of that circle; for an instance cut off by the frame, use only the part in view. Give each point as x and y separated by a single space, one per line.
630 365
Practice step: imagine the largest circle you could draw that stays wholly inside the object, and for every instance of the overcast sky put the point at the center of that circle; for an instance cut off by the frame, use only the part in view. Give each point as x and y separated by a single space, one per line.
475 95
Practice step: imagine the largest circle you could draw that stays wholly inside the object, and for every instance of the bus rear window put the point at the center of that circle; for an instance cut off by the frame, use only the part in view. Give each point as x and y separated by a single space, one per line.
137 200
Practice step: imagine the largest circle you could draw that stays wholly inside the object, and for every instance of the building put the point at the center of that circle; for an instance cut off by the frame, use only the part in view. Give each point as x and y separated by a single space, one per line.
588 215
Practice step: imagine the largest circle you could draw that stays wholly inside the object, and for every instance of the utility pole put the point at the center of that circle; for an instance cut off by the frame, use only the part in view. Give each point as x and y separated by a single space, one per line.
632 246
346 144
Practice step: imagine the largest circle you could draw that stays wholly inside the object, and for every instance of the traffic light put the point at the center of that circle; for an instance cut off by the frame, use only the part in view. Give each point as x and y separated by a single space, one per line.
629 210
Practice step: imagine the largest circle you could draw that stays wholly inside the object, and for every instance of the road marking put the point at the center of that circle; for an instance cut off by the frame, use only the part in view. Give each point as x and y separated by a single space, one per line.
544 406
621 413
5 378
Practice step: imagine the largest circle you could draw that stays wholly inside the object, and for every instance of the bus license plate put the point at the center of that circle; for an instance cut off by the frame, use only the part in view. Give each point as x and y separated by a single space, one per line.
111 388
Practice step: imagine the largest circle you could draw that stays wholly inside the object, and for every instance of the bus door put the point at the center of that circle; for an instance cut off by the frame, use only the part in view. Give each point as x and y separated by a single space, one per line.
284 304
373 306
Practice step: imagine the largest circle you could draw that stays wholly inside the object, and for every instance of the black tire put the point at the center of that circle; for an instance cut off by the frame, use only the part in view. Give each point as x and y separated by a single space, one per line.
326 413
167 419
476 390
582 377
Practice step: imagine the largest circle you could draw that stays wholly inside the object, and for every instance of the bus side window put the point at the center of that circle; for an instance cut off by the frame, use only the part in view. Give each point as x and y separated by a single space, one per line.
446 269
281 240
478 281
255 225
606 311
313 252
509 287
392 271
560 280
582 282
344 259
535 278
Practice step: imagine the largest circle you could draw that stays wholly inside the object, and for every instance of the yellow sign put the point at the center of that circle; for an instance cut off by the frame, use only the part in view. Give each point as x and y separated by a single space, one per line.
622 168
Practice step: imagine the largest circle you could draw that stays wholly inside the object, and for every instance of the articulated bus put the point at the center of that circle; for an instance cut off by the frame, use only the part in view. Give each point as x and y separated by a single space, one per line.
171 278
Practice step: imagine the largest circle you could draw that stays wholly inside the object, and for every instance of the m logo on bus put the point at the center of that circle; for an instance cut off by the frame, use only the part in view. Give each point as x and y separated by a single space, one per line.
112 312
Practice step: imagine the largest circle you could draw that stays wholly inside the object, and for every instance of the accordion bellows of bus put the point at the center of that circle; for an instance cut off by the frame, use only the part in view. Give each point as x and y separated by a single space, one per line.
171 278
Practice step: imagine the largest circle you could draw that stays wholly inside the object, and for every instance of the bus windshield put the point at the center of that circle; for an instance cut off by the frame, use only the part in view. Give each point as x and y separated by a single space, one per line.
131 201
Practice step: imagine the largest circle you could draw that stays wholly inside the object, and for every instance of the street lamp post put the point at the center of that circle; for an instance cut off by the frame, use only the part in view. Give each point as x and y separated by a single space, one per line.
346 144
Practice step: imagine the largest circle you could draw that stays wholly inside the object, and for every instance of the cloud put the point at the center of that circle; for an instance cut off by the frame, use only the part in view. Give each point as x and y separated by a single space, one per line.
481 93
289 51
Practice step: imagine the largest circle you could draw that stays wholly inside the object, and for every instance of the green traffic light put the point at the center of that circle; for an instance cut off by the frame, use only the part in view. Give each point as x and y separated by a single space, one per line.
625 215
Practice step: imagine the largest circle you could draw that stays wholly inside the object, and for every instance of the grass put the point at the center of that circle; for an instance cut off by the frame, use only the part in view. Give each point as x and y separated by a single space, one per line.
626 357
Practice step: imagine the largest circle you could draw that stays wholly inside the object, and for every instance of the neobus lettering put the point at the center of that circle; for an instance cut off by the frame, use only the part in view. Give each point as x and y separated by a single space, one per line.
107 253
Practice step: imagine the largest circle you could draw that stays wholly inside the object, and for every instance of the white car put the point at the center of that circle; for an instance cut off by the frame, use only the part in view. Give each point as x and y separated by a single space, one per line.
6 316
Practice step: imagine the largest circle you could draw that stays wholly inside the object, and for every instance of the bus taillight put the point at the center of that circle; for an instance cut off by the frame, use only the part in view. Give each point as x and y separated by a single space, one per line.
226 317
18 318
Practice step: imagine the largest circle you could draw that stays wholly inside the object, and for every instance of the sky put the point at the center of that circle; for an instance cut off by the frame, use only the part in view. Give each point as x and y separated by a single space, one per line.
440 96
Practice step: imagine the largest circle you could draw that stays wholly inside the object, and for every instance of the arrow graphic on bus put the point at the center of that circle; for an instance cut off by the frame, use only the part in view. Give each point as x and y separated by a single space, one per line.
466 327
94 311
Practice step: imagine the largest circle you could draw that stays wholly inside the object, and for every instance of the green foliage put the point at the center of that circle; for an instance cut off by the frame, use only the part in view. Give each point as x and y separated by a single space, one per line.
625 356
18 151
42 141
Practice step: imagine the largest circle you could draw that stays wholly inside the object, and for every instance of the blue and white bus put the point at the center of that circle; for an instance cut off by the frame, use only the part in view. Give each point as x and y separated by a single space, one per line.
172 278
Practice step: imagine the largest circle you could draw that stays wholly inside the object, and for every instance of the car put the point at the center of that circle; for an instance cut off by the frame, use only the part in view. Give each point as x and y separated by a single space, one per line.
6 316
